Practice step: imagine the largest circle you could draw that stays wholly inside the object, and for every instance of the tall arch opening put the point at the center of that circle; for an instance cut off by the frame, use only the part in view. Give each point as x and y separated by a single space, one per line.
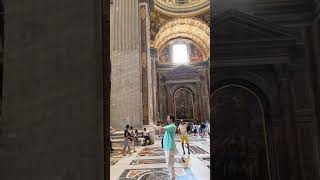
241 139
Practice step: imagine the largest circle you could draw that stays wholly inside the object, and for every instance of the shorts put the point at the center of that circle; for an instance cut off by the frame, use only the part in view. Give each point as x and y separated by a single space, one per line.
126 142
184 139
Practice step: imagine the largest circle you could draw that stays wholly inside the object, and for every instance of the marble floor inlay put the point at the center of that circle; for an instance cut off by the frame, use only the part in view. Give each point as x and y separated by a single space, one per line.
197 150
156 174
152 161
148 163
151 151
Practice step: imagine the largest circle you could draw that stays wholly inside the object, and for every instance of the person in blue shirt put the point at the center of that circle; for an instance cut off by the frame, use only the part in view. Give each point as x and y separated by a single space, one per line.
169 145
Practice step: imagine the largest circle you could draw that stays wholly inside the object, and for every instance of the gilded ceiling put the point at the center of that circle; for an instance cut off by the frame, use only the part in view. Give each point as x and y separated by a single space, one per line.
158 20
187 28
182 7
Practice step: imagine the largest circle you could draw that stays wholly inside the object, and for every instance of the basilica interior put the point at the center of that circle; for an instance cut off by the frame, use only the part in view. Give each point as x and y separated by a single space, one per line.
171 76
74 73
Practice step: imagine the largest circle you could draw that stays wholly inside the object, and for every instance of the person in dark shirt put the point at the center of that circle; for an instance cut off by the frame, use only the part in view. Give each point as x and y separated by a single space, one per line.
203 129
126 141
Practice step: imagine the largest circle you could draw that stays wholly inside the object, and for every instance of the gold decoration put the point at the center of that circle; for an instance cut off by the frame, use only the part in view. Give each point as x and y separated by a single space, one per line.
143 13
144 59
190 8
193 29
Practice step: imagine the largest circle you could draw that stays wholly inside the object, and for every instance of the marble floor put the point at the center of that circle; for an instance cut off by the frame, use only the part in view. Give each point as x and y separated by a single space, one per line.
148 163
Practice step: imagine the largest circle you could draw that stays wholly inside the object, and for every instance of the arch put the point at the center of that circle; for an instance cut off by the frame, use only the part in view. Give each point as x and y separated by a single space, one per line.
262 105
191 8
189 114
180 40
187 28
260 90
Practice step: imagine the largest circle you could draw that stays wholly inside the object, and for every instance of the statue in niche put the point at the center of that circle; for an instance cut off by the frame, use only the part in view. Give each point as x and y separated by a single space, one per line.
143 13
155 24
165 56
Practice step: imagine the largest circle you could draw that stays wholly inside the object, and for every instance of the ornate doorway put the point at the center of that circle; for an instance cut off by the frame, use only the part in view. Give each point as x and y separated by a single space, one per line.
240 134
183 104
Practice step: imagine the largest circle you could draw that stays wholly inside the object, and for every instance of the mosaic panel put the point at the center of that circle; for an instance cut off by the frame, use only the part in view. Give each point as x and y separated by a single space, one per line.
193 139
151 161
151 151
156 173
205 159
113 162
197 150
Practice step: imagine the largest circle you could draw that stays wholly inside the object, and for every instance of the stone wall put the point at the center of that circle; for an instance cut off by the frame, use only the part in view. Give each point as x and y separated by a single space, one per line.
52 106
125 102
126 95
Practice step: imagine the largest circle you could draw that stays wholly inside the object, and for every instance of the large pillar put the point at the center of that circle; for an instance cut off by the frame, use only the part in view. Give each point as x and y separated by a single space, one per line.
145 64
289 162
126 105
52 89
154 57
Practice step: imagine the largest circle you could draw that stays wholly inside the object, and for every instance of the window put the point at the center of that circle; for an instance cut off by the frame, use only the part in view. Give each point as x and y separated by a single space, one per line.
180 53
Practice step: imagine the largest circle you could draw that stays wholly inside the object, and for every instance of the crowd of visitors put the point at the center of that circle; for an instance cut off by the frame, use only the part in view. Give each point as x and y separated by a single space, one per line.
199 129
168 141
131 139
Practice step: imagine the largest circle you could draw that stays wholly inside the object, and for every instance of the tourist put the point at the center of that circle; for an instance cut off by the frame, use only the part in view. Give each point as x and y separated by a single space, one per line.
203 129
184 136
207 128
146 137
194 129
169 145
126 141
132 137
198 129
188 127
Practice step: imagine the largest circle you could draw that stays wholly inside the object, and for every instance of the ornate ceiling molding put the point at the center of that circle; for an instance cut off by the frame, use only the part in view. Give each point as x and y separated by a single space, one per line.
190 8
188 28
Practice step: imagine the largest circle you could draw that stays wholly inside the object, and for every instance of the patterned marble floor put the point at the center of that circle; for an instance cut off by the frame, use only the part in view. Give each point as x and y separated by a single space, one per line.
148 163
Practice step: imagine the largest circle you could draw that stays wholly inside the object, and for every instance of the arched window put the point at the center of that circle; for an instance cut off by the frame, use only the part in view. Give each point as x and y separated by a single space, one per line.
183 101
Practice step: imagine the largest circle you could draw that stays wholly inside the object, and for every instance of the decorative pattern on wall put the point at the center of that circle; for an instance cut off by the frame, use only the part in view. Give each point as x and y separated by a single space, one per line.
240 144
183 104
185 28
182 7
143 27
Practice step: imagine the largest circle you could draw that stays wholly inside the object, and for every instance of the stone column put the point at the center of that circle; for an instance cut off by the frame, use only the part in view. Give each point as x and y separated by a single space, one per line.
170 105
289 162
126 96
144 54
205 98
154 57
312 46
199 104
162 99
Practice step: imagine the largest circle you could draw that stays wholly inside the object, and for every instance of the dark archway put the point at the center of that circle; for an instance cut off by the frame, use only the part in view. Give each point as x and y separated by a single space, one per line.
240 132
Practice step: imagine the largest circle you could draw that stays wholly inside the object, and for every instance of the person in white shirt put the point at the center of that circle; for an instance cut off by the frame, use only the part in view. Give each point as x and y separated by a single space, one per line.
194 129
146 136
184 135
